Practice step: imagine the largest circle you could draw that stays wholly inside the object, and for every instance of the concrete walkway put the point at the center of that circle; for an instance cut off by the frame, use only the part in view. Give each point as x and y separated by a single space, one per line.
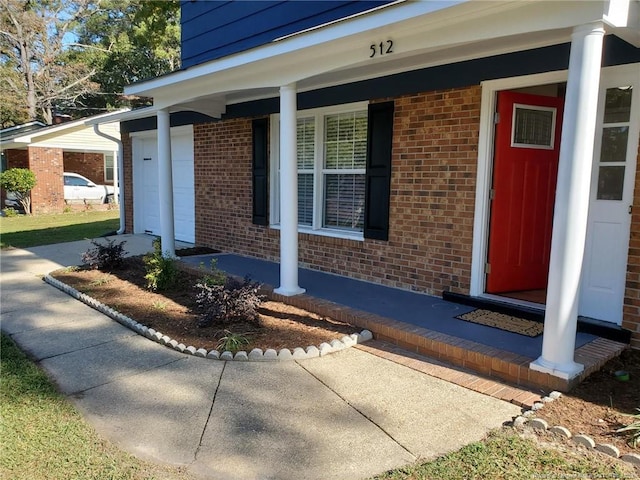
349 415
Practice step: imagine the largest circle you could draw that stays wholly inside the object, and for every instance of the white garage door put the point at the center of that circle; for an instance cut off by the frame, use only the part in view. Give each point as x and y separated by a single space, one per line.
145 171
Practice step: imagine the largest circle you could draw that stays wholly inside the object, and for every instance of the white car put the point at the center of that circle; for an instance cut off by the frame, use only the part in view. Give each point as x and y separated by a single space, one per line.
79 189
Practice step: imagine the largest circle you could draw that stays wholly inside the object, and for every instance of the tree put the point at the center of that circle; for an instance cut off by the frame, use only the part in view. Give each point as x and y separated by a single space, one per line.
137 40
20 181
76 56
13 106
34 43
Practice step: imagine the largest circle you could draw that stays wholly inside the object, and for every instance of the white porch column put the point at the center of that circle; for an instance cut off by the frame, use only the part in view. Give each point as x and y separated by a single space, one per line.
165 185
288 193
572 204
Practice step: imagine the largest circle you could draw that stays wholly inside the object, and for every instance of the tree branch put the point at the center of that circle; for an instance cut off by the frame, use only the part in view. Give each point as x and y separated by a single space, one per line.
84 45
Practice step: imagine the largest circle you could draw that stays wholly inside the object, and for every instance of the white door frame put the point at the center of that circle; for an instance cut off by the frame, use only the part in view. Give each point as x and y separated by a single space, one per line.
485 165
486 136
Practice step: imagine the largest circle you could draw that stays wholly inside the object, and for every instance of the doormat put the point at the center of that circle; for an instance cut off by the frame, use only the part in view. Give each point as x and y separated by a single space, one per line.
503 322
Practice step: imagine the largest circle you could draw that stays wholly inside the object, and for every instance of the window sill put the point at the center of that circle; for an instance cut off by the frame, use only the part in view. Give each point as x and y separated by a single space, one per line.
325 232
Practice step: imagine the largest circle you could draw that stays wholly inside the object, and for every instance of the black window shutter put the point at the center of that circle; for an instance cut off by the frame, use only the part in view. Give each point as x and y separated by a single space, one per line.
378 177
260 171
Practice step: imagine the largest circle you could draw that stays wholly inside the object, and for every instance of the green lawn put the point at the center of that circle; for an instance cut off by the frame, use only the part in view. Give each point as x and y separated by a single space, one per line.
44 437
30 231
504 455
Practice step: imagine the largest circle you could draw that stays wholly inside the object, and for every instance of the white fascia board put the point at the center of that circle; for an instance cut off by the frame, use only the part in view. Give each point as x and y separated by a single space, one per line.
617 13
124 115
31 137
12 144
24 125
624 15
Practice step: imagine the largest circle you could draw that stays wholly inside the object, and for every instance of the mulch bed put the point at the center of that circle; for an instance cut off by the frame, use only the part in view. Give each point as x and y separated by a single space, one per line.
175 312
596 406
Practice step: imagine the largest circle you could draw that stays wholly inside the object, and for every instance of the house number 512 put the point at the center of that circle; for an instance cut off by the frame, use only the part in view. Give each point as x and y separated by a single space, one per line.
381 49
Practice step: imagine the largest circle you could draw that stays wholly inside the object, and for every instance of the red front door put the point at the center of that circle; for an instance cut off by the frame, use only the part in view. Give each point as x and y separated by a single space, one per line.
527 144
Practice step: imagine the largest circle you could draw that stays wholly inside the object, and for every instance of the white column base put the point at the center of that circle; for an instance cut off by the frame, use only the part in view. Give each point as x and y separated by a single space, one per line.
285 292
566 371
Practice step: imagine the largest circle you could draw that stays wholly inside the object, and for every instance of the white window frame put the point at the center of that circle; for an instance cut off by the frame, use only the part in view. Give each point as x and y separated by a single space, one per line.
552 139
113 167
316 227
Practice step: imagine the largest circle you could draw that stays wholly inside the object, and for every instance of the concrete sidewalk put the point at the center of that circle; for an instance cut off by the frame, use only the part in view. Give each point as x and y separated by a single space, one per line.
348 415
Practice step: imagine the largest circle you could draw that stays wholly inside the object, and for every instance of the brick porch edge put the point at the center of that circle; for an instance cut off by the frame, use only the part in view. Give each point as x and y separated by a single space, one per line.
488 362
482 359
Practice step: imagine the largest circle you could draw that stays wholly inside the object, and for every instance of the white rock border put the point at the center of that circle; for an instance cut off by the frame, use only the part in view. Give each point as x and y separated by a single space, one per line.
540 425
256 355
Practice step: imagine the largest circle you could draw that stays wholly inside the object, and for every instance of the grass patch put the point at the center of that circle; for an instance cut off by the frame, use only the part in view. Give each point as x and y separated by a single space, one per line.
44 436
506 455
31 231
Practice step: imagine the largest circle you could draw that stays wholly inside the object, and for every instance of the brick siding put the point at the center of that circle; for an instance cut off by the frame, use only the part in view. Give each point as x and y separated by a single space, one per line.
87 164
432 198
17 158
631 312
126 182
48 194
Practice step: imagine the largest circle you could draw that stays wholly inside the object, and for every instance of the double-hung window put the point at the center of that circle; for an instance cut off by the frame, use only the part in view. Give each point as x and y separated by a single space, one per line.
109 167
331 159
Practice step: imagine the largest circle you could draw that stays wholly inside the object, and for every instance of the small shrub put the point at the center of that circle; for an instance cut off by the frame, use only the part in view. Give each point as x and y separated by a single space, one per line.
158 305
98 282
162 273
215 276
632 430
232 342
19 181
107 256
231 302
10 212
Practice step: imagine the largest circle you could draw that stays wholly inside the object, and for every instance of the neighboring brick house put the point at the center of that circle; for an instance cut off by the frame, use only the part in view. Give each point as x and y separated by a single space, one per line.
49 151
429 146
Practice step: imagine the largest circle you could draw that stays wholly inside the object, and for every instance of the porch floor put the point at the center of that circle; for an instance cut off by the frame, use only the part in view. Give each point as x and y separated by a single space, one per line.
419 323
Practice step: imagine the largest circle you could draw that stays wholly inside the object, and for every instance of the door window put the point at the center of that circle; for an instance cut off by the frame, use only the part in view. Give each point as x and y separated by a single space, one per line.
533 126
613 146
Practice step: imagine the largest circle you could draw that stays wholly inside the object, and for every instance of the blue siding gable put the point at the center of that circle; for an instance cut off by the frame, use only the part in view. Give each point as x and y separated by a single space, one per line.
214 29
